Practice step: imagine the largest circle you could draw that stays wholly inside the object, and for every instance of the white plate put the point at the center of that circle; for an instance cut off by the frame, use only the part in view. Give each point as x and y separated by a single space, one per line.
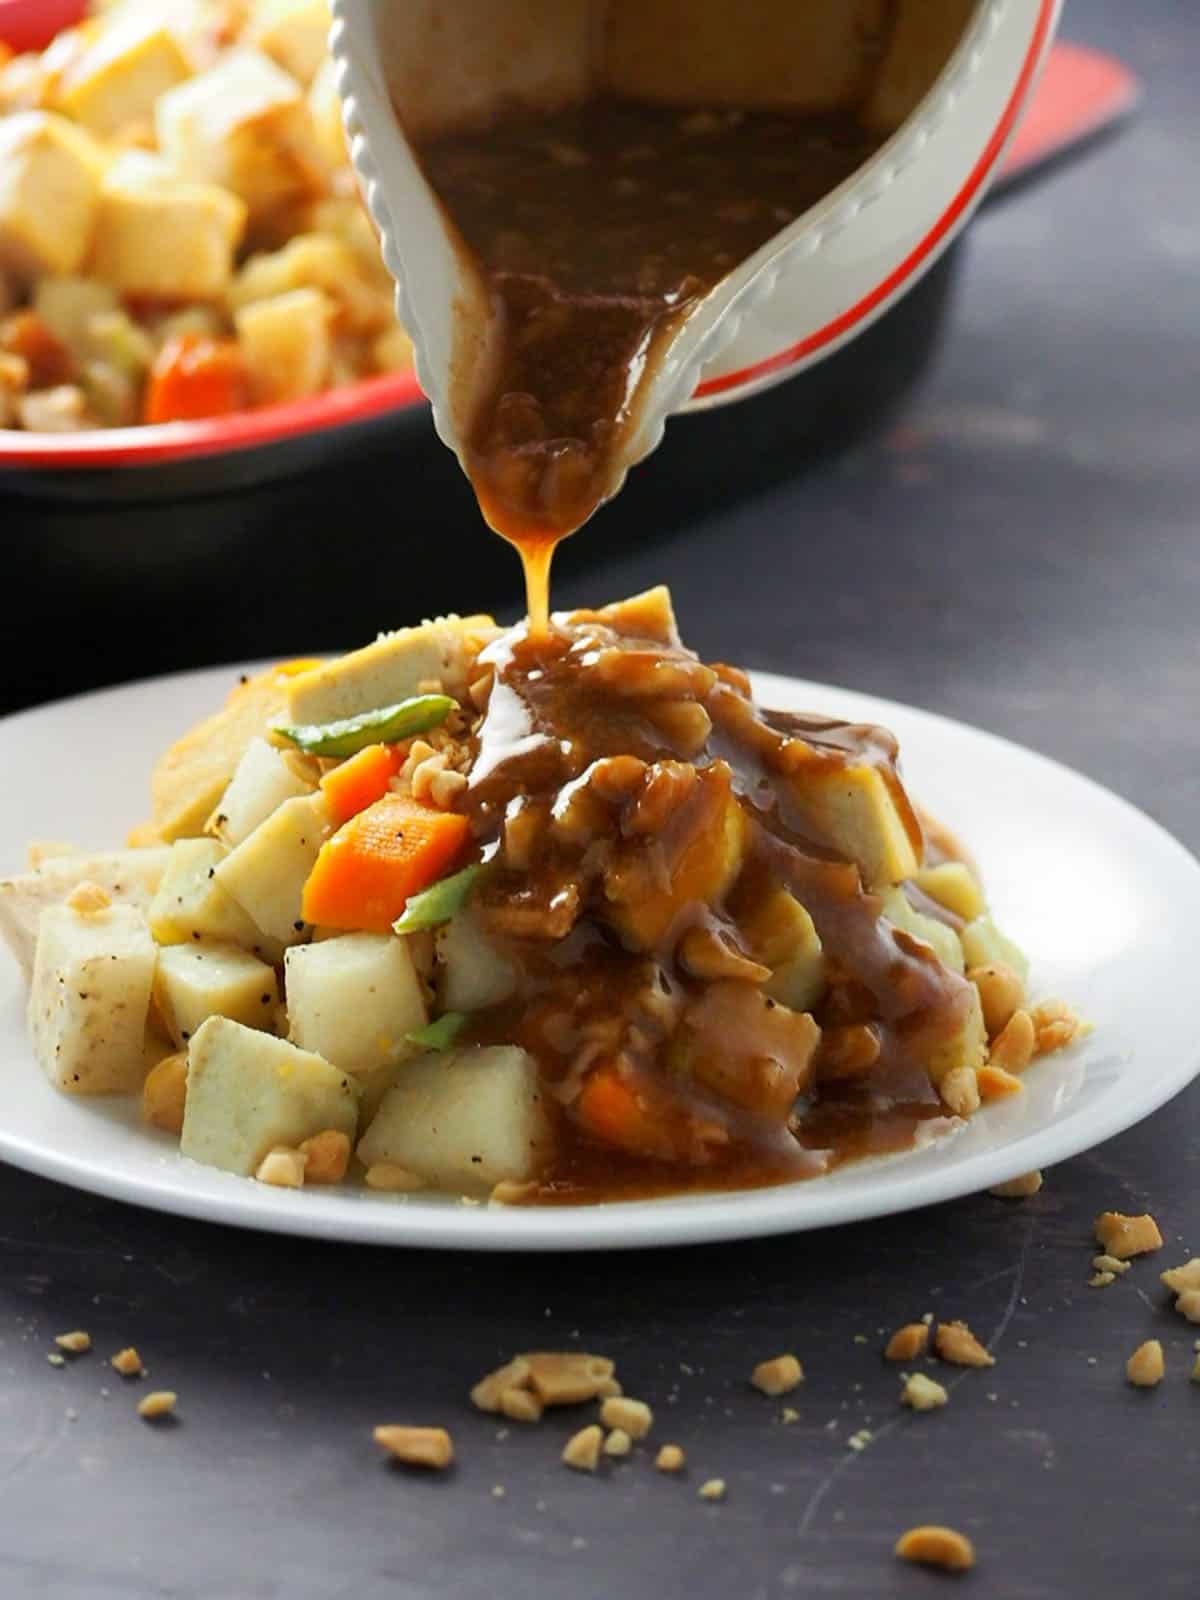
1103 899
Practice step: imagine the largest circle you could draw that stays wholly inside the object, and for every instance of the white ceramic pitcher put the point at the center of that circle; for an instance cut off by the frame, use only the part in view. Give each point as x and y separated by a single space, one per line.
809 290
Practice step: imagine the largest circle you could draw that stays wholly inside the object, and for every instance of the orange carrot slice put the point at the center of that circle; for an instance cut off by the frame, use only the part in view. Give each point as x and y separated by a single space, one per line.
361 780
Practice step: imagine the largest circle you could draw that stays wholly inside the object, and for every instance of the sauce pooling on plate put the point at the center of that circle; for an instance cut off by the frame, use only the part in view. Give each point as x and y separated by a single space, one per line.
597 230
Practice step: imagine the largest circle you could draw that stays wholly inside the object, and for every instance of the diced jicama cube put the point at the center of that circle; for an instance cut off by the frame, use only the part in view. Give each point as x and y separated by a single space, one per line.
191 904
262 782
353 999
267 872
130 877
198 981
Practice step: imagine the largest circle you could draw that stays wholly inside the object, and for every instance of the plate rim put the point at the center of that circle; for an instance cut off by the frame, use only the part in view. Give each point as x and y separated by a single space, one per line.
360 1218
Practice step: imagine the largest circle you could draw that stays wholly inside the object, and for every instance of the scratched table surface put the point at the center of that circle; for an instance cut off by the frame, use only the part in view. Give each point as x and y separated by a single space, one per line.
1018 548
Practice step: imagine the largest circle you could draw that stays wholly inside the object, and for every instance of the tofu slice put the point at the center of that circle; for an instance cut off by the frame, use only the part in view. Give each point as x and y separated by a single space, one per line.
166 240
50 174
852 809
953 885
294 33
197 981
248 1092
191 905
246 125
463 1121
131 877
261 784
90 998
116 83
194 773
390 670
353 999
267 872
288 345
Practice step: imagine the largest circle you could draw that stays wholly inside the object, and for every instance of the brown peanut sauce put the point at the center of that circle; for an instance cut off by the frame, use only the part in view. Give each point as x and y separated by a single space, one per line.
597 229
607 771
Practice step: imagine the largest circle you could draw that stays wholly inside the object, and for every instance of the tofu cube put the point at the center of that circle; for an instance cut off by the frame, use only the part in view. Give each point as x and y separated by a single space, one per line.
198 981
90 998
294 33
261 784
115 84
924 36
353 999
246 125
248 1092
131 877
953 885
463 1121
50 175
326 106
361 299
191 905
267 872
288 345
390 670
852 809
166 240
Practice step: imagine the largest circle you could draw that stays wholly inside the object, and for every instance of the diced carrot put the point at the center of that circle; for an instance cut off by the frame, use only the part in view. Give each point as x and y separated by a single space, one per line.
194 377
360 781
365 874
27 336
617 1112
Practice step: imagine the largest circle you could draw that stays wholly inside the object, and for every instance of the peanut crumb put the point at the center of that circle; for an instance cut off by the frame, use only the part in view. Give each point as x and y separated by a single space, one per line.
1123 1236
1145 1367
76 1342
1196 1370
1056 1025
521 1405
635 1416
582 1449
127 1362
908 1342
955 1343
672 1459
1013 1048
618 1443
712 1489
934 1546
282 1168
158 1403
996 1083
778 1376
788 1415
1180 1279
922 1393
861 1439
1101 1280
1018 1188
416 1447
327 1156
389 1178
56 1359
488 1394
1111 1264
568 1378
510 1193
927 1318
498 1491
1188 1305
88 899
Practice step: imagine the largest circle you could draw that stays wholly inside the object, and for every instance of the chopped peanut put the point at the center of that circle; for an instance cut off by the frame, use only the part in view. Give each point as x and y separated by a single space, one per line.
582 1449
908 1342
997 1084
164 1093
488 1394
391 1179
1101 1280
416 1447
1145 1367
328 1156
521 1405
76 1342
955 1342
778 1376
922 1393
568 1378
1188 1305
158 1403
127 1362
713 1489
1018 1188
959 1090
1124 1236
1056 1025
935 1546
1180 1279
282 1168
635 1416
88 899
618 1443
672 1459
1013 1047
1000 994
1112 1264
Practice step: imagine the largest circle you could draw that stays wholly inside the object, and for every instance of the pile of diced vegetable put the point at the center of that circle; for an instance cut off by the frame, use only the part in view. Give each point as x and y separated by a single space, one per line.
180 235
284 959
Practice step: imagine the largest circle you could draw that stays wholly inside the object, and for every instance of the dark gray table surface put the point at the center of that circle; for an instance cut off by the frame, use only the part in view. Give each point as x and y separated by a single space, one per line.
1018 550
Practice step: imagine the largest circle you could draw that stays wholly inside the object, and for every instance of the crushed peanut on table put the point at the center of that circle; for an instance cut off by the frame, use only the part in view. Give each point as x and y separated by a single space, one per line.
582 1449
922 1393
1123 1236
1146 1367
77 1343
955 1343
908 1342
158 1403
416 1447
934 1546
778 1376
